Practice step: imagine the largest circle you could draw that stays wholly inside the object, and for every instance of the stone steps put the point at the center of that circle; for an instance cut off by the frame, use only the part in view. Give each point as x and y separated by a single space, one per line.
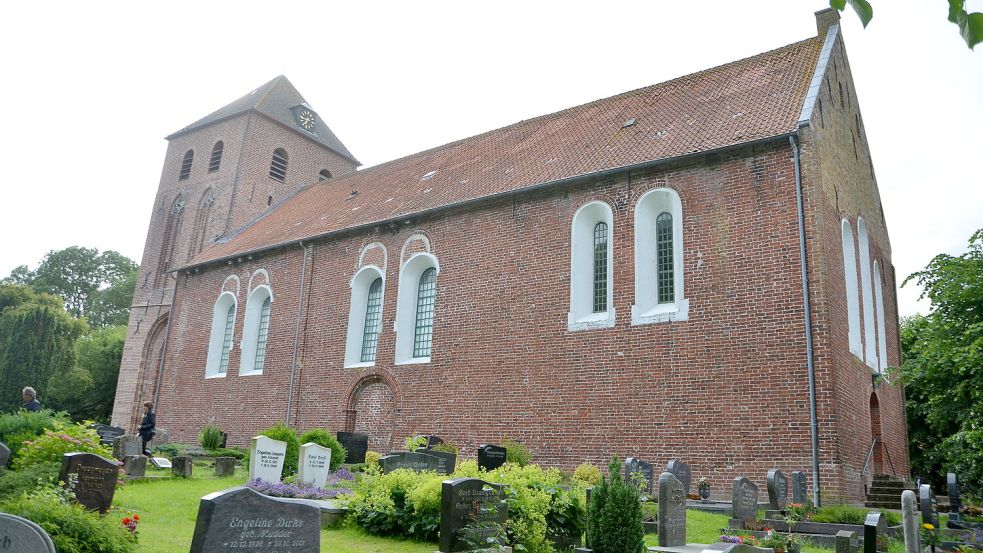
885 491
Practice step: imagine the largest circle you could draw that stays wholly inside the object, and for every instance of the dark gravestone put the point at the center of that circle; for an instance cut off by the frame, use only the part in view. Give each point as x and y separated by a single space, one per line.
181 467
672 511
490 457
875 526
952 486
721 547
225 439
447 459
777 489
846 542
135 465
355 445
409 460
799 487
4 455
745 499
471 511
682 472
92 477
225 466
108 433
926 504
639 473
124 446
241 520
19 535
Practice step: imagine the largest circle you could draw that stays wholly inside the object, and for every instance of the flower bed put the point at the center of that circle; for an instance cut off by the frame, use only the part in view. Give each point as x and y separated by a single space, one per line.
337 484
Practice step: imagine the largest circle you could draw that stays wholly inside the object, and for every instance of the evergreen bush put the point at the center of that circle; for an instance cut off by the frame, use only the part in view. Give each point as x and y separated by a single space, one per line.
326 439
614 518
71 527
284 433
15 428
14 483
515 452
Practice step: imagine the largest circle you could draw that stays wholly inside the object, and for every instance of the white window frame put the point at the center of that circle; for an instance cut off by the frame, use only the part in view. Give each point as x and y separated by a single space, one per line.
406 300
881 319
250 329
220 313
581 315
647 308
852 287
867 292
360 284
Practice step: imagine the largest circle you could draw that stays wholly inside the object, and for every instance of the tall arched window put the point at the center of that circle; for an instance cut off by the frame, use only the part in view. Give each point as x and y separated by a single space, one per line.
323 175
186 163
215 162
220 340
870 344
881 319
278 167
415 308
423 331
852 288
591 274
364 317
255 331
373 320
659 258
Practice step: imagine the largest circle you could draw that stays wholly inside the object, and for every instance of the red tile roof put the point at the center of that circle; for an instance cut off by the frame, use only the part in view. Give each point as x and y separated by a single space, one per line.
743 101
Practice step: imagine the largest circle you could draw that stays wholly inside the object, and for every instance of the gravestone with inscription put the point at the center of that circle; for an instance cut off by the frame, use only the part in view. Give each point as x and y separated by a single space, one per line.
92 477
19 535
4 455
875 526
225 466
682 472
799 487
672 511
471 511
409 460
135 466
640 473
777 489
490 457
745 499
955 503
447 459
314 464
182 467
160 462
130 444
355 445
240 520
847 542
266 459
926 502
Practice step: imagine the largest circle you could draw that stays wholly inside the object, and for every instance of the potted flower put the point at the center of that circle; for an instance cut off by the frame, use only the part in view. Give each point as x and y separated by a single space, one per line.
781 543
703 485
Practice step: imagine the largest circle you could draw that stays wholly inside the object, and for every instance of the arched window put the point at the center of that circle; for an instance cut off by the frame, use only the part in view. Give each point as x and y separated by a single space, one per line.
364 317
220 340
415 308
278 167
255 330
852 288
216 160
659 259
591 274
186 163
870 345
881 320
323 175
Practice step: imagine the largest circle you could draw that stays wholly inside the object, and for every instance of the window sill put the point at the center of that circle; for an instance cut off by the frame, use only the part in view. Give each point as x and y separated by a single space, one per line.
360 365
216 375
670 312
414 361
590 322
251 373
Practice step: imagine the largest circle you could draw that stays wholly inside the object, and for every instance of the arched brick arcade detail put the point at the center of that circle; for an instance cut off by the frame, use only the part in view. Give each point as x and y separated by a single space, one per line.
373 408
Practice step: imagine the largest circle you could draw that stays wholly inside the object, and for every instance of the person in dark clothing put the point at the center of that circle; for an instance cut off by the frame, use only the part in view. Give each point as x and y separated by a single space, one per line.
148 425
31 402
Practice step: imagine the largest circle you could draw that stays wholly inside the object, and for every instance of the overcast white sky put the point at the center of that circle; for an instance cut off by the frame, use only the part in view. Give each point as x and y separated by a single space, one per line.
89 90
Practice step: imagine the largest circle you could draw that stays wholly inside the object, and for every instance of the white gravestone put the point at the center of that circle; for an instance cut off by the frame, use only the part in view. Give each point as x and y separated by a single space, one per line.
266 459
314 464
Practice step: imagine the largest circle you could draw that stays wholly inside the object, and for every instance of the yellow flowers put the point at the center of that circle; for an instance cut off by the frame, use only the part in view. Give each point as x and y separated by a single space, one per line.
928 526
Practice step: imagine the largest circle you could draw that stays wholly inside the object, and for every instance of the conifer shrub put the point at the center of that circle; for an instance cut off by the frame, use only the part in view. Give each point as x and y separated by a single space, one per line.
284 433
614 518
15 428
326 439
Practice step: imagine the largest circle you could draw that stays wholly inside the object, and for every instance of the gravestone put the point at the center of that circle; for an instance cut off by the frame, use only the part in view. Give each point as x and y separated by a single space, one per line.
952 486
135 466
225 466
682 472
107 434
4 455
672 511
799 492
745 499
721 547
471 511
160 462
161 437
130 444
874 525
777 489
409 460
182 467
909 523
926 502
846 542
447 459
240 520
19 535
92 477
355 445
266 459
643 470
225 439
314 464
490 457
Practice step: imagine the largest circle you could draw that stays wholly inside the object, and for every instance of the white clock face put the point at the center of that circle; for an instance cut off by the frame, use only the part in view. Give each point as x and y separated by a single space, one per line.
307 120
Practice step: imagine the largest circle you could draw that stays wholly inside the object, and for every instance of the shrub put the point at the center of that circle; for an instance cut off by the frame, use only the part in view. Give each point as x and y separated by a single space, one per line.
16 428
414 442
53 444
229 452
166 450
516 452
587 474
210 437
848 514
372 457
614 520
71 527
324 438
446 447
285 434
14 483
301 491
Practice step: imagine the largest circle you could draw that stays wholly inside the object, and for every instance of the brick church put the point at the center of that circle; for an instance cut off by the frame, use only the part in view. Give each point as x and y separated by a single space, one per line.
699 269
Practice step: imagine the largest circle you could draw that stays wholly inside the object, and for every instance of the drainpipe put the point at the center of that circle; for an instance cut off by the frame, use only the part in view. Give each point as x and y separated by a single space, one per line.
807 315
167 335
293 361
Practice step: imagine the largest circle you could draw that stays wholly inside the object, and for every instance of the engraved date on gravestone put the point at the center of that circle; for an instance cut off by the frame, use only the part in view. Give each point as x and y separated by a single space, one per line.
242 520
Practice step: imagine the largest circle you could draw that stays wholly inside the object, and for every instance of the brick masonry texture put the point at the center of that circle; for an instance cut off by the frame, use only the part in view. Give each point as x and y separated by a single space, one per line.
726 390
